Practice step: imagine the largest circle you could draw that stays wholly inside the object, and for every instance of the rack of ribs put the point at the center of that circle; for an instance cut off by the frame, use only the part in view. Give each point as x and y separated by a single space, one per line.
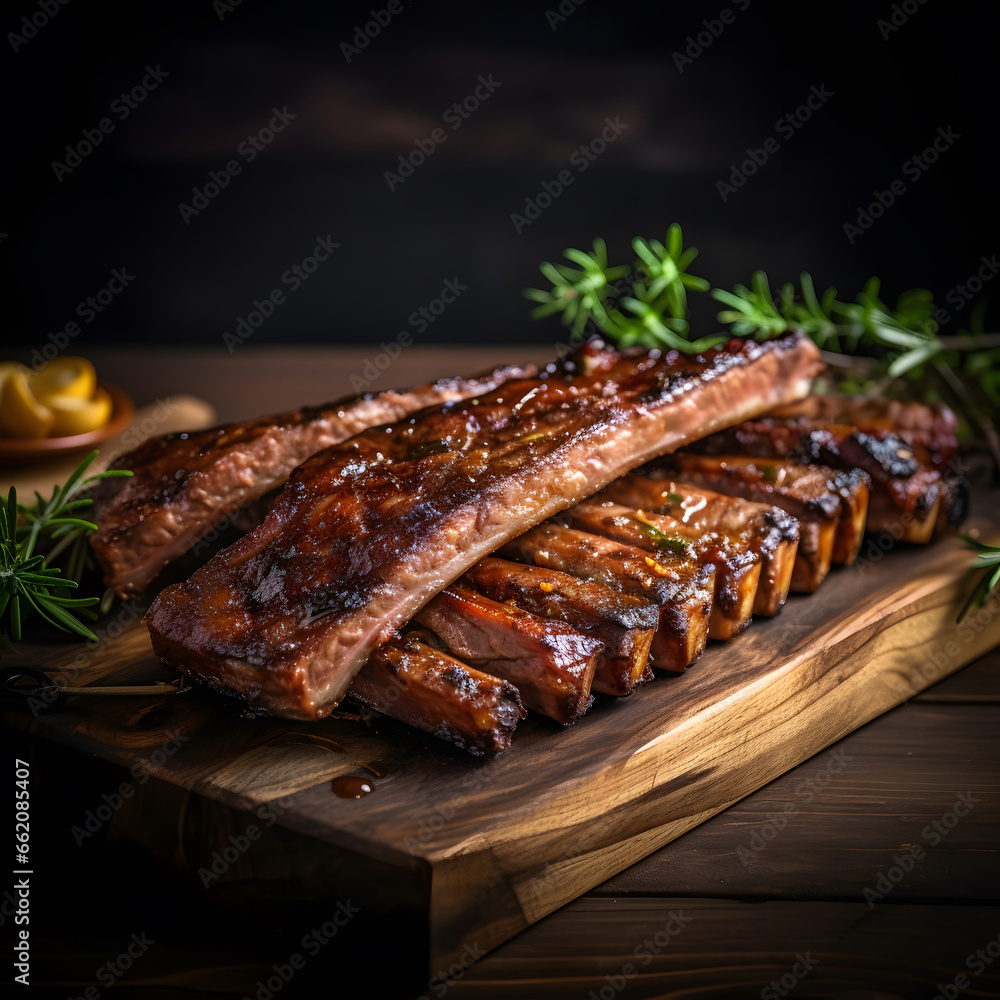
367 531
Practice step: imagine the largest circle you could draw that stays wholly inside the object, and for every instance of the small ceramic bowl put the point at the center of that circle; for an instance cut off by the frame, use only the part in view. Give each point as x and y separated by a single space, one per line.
24 451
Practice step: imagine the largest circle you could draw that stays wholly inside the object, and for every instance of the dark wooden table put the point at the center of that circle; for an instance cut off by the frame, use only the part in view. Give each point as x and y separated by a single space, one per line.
869 872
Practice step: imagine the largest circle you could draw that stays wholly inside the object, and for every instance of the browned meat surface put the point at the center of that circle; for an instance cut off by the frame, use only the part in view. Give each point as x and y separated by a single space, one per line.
770 531
682 587
737 565
423 687
909 498
830 505
929 428
549 662
366 532
622 622
810 492
184 484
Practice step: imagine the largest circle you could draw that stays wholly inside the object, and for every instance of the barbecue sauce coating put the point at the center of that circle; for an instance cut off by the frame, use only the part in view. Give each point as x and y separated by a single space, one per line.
184 485
366 531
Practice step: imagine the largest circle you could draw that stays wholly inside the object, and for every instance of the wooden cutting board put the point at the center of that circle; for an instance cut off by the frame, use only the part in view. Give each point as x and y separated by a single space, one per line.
471 852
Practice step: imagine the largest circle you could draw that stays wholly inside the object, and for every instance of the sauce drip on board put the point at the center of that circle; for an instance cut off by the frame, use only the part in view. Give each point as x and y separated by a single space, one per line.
350 786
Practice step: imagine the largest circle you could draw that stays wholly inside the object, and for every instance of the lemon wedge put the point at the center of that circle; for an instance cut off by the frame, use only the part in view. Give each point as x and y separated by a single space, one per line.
21 414
66 376
72 415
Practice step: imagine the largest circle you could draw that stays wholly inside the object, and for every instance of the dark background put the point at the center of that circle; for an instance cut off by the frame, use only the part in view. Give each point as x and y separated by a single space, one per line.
324 174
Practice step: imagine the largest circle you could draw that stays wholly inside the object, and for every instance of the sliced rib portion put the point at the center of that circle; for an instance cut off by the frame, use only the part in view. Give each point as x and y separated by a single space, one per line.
624 623
909 499
770 531
830 505
366 532
186 485
549 662
737 565
929 428
682 587
423 687
809 489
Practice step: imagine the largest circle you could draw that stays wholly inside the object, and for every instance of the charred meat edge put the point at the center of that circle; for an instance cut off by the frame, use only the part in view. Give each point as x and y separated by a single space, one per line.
402 522
622 622
549 662
908 496
930 428
679 585
185 485
413 683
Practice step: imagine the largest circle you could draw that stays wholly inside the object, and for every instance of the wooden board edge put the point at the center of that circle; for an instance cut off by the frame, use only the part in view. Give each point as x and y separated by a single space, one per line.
889 677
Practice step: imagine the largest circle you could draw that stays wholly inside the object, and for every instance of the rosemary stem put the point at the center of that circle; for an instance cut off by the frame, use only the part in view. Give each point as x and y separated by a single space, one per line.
983 341
59 547
986 425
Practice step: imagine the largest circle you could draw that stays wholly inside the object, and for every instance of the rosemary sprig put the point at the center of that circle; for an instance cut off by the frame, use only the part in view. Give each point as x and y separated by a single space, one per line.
880 347
662 541
988 560
887 347
907 333
32 538
646 303
597 296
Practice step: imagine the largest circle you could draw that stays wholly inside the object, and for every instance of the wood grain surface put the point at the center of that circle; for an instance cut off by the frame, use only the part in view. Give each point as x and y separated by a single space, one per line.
480 850
494 847
801 894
